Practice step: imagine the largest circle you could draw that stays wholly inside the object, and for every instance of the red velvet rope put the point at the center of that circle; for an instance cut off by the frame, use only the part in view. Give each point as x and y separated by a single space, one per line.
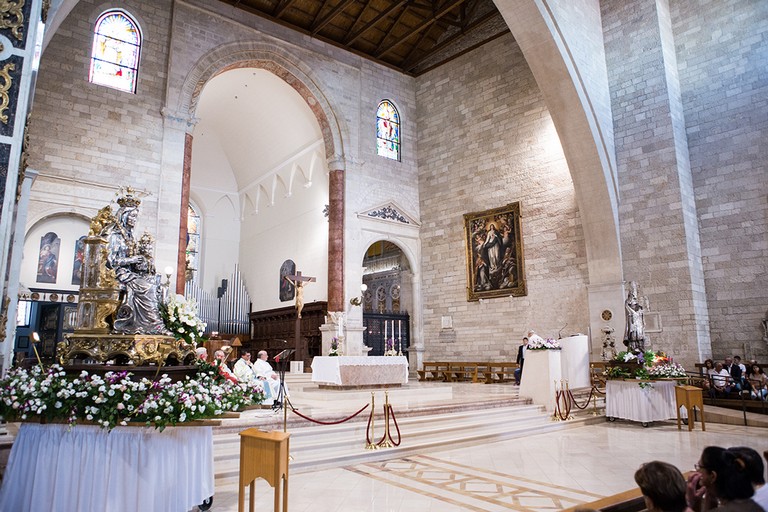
573 399
394 420
330 422
368 429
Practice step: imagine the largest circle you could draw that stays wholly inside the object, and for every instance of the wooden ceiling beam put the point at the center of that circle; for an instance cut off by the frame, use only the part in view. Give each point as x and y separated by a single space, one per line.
317 27
392 28
281 7
392 8
418 44
445 9
359 16
410 66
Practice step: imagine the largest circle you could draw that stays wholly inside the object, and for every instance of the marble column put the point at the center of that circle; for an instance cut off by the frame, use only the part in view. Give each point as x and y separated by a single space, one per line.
336 240
185 180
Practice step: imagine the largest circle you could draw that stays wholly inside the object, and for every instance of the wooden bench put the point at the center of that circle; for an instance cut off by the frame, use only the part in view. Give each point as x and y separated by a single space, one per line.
467 371
500 372
433 370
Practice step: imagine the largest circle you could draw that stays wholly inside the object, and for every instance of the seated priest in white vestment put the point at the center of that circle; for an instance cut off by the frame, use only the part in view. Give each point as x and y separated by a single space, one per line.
264 371
243 369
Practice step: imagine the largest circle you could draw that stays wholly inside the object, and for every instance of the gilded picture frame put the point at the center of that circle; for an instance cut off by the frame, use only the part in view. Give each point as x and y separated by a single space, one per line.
494 253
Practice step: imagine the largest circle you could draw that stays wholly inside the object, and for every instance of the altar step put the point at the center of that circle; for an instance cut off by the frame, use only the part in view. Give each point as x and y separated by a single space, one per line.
322 447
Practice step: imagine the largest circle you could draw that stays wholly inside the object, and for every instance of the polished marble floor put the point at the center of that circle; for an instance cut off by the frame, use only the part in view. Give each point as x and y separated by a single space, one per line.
540 472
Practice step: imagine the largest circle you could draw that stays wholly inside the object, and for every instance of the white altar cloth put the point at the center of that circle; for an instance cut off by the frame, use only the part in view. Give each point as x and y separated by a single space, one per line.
627 400
360 370
85 468
540 371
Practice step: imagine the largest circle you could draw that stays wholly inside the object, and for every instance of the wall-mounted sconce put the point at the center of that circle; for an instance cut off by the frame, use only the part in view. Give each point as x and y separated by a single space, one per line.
358 301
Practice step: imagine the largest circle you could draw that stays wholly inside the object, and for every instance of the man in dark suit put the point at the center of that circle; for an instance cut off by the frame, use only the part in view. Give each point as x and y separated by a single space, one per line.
735 370
520 360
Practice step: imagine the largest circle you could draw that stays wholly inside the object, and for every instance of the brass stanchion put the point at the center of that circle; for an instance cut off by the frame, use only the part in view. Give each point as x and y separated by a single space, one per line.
555 415
371 442
386 443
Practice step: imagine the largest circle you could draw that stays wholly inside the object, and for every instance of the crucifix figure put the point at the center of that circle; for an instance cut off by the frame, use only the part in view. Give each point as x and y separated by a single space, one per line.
298 281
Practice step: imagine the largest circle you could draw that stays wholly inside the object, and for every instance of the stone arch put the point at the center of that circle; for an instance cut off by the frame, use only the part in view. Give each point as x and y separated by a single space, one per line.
283 65
583 120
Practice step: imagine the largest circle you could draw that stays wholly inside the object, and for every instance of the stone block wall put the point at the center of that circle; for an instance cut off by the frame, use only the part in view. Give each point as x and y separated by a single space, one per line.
485 140
722 53
87 139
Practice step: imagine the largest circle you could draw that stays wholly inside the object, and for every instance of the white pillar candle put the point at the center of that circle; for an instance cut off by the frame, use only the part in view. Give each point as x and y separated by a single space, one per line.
399 329
385 330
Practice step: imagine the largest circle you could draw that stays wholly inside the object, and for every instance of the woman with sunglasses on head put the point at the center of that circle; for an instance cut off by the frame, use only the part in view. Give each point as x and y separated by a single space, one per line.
721 483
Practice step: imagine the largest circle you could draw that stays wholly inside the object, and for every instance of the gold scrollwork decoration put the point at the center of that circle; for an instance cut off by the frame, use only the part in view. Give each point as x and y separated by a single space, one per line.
5 100
9 10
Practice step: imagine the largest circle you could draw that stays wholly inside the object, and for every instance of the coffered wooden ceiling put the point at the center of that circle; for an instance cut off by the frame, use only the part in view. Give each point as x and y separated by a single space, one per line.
412 36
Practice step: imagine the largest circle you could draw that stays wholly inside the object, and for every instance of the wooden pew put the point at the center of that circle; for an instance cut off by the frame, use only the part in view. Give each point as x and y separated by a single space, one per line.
500 372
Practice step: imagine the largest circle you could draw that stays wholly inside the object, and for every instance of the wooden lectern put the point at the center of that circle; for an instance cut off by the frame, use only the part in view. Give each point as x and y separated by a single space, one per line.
265 455
689 397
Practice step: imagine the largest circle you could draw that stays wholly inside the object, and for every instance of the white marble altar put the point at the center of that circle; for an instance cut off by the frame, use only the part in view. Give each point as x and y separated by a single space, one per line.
353 371
541 371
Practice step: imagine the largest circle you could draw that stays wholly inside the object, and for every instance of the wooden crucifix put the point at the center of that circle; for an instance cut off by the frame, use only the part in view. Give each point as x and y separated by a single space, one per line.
298 281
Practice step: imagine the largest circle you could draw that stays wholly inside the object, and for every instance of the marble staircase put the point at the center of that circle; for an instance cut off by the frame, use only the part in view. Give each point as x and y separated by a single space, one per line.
430 418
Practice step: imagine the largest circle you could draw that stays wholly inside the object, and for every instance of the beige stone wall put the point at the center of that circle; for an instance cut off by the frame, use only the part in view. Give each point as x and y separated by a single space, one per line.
485 140
722 50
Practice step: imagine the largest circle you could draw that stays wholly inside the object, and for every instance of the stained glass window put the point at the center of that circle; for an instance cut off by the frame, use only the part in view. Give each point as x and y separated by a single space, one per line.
388 131
116 50
193 242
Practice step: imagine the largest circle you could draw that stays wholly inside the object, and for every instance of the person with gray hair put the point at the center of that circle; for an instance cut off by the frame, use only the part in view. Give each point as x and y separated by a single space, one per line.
265 373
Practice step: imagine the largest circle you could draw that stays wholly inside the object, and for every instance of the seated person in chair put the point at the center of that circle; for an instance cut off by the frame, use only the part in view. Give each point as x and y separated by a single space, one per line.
264 372
721 381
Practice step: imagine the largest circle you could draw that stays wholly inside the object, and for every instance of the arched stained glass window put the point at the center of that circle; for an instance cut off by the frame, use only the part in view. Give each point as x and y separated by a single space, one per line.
193 243
116 51
388 131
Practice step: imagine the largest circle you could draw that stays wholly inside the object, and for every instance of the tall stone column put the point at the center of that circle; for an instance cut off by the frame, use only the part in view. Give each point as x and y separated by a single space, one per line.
18 32
657 211
336 240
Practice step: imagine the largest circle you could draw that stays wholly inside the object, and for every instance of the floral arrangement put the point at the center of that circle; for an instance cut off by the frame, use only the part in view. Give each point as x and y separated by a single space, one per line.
180 317
116 399
334 347
544 344
646 365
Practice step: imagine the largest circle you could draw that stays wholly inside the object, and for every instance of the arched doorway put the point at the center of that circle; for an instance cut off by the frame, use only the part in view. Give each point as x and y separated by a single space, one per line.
387 301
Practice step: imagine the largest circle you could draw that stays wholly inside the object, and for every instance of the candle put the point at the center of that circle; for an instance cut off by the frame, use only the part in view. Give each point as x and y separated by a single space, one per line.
399 329
340 331
385 330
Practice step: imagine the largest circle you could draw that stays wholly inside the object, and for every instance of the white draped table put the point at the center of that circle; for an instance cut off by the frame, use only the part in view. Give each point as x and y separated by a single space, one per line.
355 371
627 400
56 468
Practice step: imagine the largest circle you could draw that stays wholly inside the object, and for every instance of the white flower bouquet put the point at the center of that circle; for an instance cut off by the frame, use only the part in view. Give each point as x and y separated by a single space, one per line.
180 317
542 344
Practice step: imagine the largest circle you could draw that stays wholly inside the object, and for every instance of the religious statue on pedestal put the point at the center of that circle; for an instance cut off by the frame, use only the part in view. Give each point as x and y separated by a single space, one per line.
634 333
134 268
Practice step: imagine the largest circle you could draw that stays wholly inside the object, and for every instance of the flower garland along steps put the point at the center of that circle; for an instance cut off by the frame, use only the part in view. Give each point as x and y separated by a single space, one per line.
116 399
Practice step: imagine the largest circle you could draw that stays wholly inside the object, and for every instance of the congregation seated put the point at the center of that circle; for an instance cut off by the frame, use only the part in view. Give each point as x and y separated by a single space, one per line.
758 382
722 481
663 487
719 381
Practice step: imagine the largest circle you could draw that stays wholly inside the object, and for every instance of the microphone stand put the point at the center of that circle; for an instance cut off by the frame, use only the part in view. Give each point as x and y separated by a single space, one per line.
282 397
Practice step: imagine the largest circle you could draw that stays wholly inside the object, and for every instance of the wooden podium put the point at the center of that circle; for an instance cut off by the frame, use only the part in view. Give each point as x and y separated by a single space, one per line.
265 455
689 397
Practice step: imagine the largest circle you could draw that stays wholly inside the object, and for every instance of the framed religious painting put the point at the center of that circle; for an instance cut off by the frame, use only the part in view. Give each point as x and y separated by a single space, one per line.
494 246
